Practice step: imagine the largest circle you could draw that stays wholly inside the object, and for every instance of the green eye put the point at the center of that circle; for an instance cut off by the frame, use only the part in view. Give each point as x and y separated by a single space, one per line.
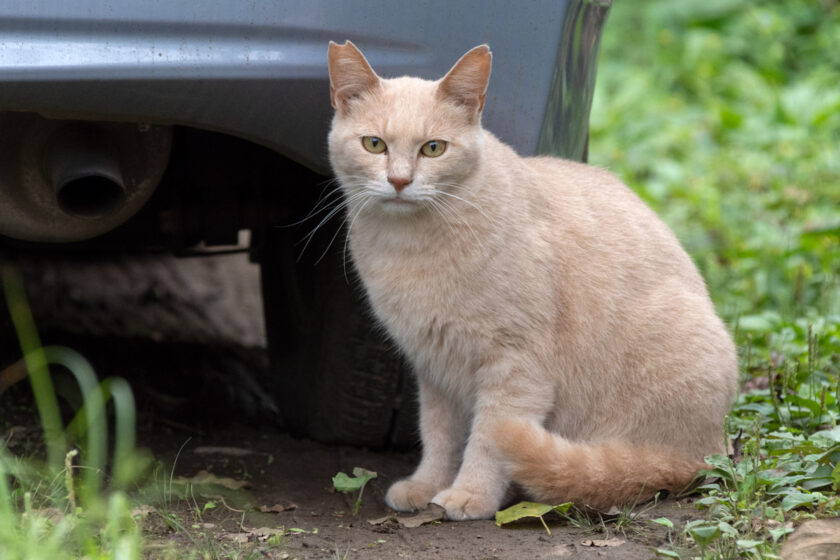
373 144
433 148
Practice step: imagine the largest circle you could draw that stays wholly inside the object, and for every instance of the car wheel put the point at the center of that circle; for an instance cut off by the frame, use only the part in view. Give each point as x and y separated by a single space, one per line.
336 378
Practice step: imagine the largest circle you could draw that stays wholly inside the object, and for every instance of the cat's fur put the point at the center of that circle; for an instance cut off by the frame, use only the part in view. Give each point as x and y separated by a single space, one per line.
560 335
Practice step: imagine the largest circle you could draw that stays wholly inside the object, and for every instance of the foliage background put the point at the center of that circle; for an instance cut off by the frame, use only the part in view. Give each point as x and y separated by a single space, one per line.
724 115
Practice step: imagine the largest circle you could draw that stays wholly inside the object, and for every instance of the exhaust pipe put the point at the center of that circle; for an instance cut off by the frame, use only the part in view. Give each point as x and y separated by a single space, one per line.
85 176
63 181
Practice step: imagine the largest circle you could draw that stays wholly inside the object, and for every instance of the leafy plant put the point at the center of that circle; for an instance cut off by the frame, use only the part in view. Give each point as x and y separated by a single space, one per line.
344 483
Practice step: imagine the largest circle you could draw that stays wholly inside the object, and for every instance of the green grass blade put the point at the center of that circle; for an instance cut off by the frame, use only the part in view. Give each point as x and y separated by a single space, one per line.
5 495
126 413
97 425
36 364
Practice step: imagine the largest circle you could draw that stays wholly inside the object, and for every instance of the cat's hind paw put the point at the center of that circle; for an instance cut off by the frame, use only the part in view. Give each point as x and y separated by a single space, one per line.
410 495
465 504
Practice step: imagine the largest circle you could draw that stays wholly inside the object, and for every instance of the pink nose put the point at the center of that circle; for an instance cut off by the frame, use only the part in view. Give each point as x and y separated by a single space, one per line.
399 183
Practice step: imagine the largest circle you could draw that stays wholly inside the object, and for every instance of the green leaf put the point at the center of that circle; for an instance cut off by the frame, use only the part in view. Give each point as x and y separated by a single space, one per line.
832 435
344 483
835 477
364 474
522 510
762 322
703 535
666 553
664 521
563 508
797 499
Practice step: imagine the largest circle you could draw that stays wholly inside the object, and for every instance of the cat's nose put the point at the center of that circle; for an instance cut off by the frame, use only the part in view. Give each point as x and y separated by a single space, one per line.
399 183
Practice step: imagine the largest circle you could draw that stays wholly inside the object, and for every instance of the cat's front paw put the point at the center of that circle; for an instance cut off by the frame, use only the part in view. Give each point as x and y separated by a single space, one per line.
461 504
410 495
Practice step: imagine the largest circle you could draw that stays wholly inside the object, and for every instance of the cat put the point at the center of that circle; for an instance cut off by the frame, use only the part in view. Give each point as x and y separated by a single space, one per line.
560 335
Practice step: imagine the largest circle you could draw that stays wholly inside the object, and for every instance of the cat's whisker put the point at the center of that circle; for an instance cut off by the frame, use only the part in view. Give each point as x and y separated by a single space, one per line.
324 201
464 200
322 204
340 205
459 221
444 213
340 228
347 236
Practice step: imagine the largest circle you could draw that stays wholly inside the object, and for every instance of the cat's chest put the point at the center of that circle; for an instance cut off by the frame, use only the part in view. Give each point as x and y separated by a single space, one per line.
433 309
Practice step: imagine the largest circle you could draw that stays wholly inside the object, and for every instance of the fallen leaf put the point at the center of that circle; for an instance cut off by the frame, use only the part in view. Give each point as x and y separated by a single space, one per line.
206 478
524 510
240 538
521 510
429 514
258 534
601 543
277 508
819 538
381 520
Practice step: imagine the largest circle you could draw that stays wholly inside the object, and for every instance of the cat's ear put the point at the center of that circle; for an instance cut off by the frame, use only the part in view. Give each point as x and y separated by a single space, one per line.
350 74
466 82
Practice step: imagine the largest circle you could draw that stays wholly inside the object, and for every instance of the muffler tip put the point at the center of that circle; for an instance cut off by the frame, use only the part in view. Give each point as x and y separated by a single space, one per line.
84 173
91 195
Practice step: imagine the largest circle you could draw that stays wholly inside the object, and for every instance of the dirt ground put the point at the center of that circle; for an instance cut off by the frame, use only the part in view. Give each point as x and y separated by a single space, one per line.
189 337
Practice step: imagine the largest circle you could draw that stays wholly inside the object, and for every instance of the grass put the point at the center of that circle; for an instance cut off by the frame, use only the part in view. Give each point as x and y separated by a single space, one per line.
725 117
68 506
75 501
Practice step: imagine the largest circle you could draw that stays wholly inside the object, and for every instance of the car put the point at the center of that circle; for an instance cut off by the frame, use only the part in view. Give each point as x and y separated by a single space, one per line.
179 125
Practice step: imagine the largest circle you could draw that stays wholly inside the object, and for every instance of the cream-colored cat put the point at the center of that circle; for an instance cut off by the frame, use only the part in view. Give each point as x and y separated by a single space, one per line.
560 335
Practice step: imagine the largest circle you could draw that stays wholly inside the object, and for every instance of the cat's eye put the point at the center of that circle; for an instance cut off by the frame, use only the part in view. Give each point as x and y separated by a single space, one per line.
433 148
373 144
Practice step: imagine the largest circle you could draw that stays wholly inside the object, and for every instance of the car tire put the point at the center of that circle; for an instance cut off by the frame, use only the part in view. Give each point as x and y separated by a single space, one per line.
336 377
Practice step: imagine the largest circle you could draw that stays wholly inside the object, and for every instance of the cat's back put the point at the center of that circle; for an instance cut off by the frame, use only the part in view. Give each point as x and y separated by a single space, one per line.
596 216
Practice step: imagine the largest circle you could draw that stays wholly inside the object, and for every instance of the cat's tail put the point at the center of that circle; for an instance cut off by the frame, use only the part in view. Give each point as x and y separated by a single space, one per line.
555 470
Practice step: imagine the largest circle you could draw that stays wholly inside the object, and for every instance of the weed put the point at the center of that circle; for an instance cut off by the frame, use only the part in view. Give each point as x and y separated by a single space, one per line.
61 509
358 481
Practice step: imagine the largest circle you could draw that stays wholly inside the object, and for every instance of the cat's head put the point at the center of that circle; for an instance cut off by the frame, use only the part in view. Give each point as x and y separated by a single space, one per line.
403 145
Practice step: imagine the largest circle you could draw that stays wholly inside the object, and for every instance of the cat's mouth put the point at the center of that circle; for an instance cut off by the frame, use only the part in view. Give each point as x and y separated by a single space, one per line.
398 200
398 204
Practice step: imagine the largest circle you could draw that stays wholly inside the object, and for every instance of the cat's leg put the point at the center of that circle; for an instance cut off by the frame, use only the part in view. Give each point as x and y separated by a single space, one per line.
443 432
481 483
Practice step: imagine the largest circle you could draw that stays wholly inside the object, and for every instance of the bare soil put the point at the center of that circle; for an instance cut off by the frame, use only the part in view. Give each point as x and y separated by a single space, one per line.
189 337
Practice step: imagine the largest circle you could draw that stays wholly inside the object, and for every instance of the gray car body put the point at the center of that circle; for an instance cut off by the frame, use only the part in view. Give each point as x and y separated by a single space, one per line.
257 69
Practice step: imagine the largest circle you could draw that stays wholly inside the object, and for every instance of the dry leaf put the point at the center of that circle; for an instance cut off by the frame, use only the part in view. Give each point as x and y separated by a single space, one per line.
429 514
814 540
277 508
259 534
240 538
204 478
600 543
381 520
